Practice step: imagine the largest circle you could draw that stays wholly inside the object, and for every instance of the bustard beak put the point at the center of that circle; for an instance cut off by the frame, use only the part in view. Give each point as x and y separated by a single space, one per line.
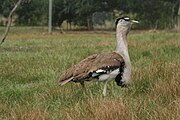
134 21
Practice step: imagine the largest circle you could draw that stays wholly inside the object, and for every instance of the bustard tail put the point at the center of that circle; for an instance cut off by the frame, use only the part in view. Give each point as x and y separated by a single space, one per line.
61 83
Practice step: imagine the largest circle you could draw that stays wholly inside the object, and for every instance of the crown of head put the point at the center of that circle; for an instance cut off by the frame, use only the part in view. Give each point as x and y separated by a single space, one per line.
126 18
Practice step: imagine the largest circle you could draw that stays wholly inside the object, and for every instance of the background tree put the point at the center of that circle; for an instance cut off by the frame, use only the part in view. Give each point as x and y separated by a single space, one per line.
9 21
6 6
152 13
155 13
34 12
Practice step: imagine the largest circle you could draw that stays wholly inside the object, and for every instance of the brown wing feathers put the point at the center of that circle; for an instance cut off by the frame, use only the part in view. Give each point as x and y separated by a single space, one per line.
83 69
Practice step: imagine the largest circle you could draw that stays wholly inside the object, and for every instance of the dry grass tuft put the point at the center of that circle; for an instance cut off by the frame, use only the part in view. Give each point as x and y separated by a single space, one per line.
102 110
106 110
34 114
169 112
168 85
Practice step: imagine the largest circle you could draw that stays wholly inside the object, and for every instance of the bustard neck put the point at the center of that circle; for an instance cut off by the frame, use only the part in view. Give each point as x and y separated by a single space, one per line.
122 49
122 46
121 37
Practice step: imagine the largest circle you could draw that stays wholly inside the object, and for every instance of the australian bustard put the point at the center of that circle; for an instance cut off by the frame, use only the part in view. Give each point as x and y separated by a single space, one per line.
106 66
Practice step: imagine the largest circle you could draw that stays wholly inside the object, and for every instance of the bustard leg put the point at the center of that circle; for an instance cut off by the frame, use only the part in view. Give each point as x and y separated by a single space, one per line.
105 89
83 87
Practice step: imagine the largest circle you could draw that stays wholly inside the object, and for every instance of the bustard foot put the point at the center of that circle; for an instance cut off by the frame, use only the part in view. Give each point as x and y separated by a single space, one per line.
105 89
83 88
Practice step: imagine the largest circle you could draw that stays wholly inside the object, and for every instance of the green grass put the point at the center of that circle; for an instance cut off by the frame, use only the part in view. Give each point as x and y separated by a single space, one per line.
32 61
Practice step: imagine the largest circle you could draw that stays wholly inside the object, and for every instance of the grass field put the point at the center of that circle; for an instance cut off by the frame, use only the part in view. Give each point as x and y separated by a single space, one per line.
31 63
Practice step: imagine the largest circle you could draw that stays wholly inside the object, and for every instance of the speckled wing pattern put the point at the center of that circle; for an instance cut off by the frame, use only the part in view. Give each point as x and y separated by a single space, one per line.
104 62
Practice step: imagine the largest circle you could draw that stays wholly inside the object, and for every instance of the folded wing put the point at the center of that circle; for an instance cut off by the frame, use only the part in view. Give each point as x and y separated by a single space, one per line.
92 67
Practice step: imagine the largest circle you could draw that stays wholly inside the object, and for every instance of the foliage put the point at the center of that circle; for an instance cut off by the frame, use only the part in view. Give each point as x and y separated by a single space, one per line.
33 12
63 10
151 13
32 62
155 13
6 7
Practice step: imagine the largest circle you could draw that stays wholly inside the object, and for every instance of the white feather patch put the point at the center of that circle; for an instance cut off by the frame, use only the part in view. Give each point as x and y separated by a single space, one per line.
100 71
103 77
112 75
94 74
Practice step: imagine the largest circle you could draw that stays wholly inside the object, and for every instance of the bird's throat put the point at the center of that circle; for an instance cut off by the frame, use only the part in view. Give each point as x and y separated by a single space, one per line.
121 45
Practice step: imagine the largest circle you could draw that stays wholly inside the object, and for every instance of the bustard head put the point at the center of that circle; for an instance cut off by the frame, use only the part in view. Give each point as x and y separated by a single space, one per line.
125 23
